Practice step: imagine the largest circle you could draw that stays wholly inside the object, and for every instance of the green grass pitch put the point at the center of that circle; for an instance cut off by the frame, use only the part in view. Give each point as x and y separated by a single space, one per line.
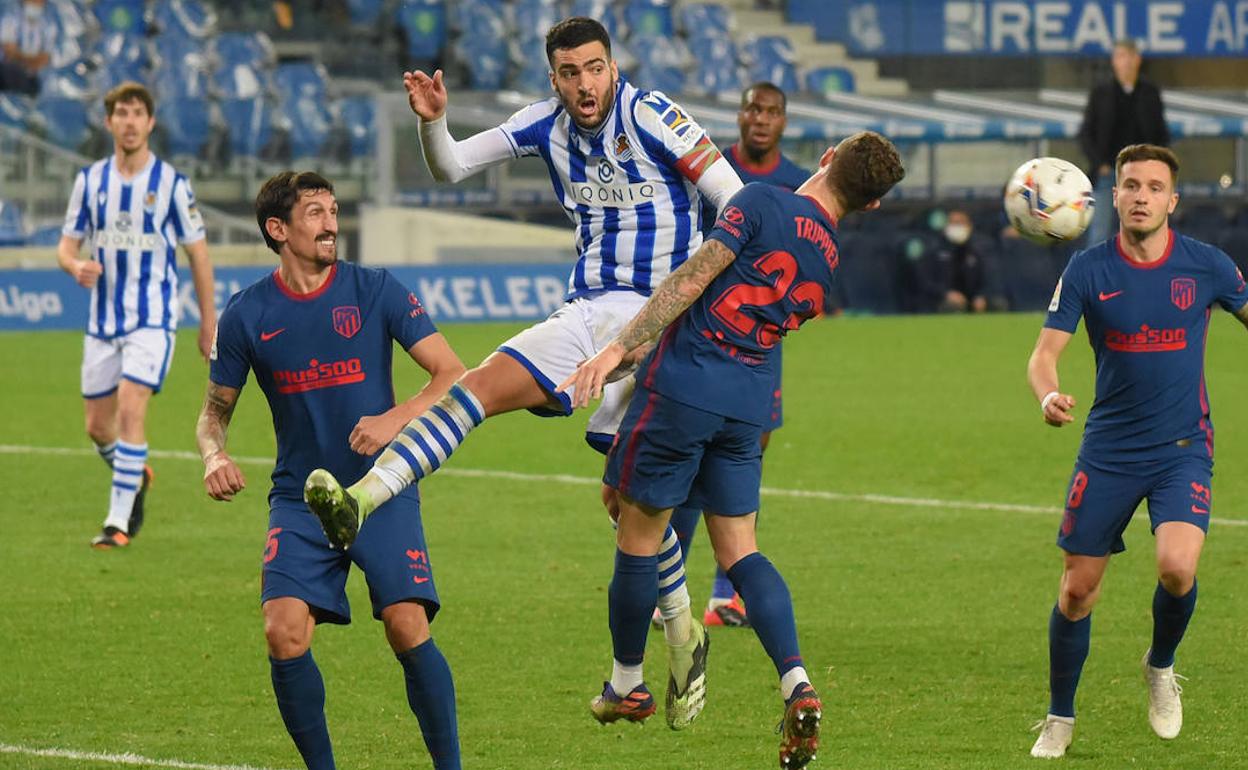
922 625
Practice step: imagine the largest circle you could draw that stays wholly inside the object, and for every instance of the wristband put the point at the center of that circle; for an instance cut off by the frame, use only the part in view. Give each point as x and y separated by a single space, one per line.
1048 399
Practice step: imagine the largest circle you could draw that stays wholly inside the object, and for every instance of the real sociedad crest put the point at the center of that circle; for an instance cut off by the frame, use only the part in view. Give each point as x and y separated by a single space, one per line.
149 202
1183 292
623 151
347 320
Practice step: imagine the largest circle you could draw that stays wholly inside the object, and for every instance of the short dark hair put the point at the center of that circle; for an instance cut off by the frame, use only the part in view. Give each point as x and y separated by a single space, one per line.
129 91
1137 152
1127 43
864 168
764 85
278 195
575 32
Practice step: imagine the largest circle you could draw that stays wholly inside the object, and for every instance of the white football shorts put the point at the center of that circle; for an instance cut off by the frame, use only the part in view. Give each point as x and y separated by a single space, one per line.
552 349
142 356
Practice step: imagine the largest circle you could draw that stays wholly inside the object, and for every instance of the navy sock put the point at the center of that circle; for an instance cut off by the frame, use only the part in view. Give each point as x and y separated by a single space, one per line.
633 594
431 695
685 522
300 695
1170 616
771 609
1068 649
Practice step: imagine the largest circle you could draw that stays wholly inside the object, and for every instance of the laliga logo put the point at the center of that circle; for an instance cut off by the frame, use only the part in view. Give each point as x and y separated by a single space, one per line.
31 305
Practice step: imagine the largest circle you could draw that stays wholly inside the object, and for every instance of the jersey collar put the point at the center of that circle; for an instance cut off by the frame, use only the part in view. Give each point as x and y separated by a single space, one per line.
826 214
744 163
298 297
1146 265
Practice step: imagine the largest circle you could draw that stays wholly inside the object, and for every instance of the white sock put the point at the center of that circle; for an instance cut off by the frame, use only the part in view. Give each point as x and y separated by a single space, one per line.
673 593
791 679
128 465
423 445
106 452
624 678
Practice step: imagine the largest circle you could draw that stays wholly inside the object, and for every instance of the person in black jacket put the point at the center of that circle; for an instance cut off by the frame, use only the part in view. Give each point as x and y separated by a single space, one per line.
1126 110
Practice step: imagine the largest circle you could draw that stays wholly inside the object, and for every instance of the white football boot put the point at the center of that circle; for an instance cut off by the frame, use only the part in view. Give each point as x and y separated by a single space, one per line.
1165 708
1056 734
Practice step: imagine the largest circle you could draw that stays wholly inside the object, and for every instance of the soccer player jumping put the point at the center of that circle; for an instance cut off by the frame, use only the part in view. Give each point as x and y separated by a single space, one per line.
1146 296
629 168
319 334
692 429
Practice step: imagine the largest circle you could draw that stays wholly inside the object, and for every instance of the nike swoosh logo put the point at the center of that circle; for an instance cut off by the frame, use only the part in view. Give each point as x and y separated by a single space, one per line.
266 336
1201 511
419 580
1103 296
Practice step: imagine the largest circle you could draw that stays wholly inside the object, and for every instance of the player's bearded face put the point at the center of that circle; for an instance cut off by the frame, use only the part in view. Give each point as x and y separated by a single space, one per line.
584 78
1144 197
130 125
313 231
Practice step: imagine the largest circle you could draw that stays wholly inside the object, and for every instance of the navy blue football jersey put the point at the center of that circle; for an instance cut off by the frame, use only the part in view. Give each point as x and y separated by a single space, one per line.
1147 324
323 360
719 356
783 173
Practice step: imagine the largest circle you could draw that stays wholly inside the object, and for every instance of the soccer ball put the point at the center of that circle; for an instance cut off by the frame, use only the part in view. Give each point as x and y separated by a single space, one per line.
1049 200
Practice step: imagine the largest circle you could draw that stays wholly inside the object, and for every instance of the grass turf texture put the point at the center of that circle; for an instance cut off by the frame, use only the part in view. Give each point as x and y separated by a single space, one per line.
923 627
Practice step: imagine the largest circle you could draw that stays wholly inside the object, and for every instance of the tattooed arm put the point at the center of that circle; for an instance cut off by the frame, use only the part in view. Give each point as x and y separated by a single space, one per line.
222 478
672 298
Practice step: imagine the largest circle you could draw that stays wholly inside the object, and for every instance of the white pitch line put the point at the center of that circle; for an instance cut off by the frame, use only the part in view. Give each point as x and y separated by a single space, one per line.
564 478
118 759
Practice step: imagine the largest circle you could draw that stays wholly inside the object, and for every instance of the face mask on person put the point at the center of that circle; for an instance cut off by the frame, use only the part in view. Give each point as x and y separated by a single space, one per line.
957 234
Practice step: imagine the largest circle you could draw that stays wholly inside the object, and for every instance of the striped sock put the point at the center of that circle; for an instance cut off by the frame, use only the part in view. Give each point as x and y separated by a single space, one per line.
128 465
422 446
673 593
106 452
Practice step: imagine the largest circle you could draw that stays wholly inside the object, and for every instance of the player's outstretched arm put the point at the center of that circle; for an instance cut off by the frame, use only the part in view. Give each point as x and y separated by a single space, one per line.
425 95
1055 406
447 159
673 297
433 354
201 276
222 477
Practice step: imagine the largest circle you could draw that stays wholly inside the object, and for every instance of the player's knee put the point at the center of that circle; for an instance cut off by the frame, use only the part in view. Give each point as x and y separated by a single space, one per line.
286 637
407 625
1077 596
1176 576
102 430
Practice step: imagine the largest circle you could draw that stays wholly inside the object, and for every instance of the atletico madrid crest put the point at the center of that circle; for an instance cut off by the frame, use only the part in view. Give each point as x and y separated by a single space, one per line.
347 320
1183 292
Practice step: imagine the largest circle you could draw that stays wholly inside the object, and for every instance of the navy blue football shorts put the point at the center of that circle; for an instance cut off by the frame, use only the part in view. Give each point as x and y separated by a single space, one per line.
775 417
1100 502
390 549
667 453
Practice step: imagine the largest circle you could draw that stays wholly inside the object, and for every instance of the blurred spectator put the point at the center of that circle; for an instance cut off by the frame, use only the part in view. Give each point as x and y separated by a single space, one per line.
27 38
1126 110
957 273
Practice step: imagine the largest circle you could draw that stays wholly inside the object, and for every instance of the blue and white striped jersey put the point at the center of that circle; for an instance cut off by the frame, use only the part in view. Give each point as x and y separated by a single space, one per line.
630 187
133 227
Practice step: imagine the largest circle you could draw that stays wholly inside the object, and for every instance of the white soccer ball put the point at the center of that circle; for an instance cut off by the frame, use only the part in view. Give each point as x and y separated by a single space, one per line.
1049 200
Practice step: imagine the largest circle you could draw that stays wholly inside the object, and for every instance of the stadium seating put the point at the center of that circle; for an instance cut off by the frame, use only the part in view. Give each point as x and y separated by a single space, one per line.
15 109
62 120
359 120
660 63
184 18
483 44
365 13
1234 241
251 49
715 67
771 58
124 16
705 20
187 125
310 126
607 12
300 79
423 24
249 125
649 18
829 80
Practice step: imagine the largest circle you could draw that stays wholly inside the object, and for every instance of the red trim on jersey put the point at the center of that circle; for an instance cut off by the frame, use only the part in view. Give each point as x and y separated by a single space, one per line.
1146 265
1204 394
630 451
750 167
658 355
826 214
297 296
